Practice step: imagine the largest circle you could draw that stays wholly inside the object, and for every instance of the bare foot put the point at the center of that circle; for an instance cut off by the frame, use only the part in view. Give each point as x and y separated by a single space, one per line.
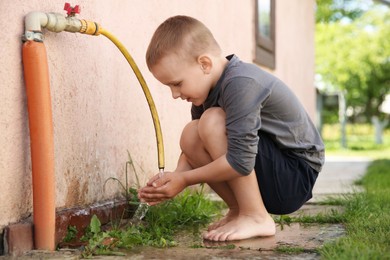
231 215
243 227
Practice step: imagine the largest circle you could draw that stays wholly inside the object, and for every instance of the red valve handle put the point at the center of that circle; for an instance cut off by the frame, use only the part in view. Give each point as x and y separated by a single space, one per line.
71 11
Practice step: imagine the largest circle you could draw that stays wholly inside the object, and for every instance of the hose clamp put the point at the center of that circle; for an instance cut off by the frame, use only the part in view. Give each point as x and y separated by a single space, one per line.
36 36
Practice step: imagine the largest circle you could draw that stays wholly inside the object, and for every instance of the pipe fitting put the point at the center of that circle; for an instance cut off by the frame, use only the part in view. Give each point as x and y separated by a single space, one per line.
34 21
58 23
90 28
32 36
55 22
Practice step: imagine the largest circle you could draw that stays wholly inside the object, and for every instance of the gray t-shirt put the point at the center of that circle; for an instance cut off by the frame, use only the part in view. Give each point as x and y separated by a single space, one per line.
255 100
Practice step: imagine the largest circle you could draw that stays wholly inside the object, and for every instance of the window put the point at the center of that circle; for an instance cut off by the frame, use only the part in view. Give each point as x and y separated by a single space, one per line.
265 33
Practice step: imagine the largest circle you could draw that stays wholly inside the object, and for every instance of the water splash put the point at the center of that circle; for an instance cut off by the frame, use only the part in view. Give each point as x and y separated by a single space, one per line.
140 212
143 206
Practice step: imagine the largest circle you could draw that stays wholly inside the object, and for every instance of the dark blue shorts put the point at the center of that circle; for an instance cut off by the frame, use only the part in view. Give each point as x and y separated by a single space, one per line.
285 180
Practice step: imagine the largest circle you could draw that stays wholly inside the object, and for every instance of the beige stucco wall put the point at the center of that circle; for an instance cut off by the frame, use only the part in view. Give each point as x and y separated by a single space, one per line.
99 110
295 25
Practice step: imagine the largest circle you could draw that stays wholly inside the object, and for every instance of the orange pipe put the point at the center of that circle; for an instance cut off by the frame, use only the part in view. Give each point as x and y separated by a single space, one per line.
36 76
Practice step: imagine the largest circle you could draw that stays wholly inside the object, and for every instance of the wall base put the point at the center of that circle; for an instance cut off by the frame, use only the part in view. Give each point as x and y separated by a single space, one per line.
17 238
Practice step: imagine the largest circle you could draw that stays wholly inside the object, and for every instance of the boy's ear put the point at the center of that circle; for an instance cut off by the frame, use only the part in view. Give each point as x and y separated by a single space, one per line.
205 63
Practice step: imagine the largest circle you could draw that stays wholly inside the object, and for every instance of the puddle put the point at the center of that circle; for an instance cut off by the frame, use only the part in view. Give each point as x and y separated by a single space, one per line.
307 236
192 246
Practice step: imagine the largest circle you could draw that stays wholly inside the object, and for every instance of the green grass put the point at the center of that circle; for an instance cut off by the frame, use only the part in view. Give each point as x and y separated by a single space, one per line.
366 218
333 216
360 141
289 250
190 209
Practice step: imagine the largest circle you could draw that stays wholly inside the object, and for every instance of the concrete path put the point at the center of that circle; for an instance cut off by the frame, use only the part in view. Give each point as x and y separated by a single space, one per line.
338 176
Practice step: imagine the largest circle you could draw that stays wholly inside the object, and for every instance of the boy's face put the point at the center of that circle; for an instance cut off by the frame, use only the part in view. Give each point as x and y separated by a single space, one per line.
186 79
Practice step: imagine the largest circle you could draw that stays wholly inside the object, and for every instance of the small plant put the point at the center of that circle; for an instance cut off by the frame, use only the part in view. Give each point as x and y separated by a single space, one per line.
189 209
99 243
283 220
71 234
129 193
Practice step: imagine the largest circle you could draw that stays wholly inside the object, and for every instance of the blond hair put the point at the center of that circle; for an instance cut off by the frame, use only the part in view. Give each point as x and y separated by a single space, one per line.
182 35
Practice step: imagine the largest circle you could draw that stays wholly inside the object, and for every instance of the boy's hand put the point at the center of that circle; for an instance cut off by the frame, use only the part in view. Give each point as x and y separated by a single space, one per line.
159 189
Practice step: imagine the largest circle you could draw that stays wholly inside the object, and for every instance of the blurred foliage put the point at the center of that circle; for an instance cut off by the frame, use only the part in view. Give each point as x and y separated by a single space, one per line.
361 141
335 10
353 54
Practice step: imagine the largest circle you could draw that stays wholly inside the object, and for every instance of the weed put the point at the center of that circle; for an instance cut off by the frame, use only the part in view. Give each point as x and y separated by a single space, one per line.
71 234
129 193
197 246
333 216
189 209
99 243
283 220
289 249
229 246
338 200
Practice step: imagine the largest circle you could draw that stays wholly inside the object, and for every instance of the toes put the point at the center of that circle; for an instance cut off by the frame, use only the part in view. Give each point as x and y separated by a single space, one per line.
224 236
212 235
232 236
217 235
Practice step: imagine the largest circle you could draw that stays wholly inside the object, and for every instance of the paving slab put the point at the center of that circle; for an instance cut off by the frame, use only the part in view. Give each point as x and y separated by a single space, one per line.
338 176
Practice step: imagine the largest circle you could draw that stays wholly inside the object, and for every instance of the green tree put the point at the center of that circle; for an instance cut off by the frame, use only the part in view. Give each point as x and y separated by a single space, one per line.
353 56
335 10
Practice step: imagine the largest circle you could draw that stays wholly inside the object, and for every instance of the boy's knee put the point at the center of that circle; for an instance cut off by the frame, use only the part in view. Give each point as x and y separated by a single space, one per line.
189 136
212 121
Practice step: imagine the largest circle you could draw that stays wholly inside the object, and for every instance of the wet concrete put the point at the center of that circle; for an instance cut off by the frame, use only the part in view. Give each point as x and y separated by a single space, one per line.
303 240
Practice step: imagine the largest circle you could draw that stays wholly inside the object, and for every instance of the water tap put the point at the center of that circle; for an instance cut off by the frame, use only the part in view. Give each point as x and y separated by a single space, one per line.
70 10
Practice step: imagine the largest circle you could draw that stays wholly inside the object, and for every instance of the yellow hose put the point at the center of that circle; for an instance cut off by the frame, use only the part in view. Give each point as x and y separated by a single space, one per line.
152 107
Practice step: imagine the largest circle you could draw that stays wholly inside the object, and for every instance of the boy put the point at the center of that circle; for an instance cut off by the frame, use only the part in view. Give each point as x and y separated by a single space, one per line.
250 138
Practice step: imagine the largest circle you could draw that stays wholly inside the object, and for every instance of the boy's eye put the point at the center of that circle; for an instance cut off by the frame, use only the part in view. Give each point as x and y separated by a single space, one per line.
178 84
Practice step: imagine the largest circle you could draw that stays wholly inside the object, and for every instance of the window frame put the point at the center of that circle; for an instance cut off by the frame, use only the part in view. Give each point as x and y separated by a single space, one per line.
265 53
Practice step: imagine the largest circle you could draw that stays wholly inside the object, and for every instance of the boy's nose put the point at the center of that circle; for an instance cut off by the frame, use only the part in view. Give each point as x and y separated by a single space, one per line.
175 94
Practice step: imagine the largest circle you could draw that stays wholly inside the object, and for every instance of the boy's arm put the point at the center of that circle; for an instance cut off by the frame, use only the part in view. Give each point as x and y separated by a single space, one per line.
182 164
216 171
168 186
